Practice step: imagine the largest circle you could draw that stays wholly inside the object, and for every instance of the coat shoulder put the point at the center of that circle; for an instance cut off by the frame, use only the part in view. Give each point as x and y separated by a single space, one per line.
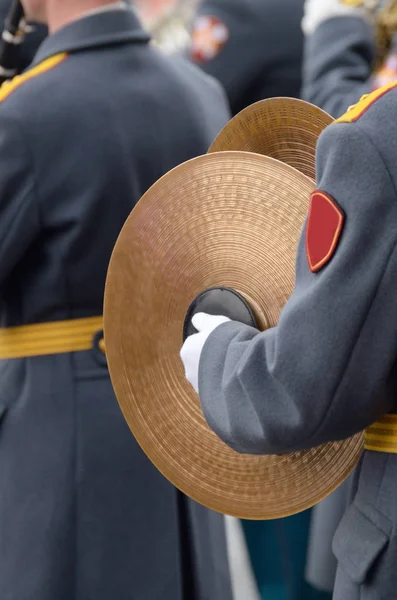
377 101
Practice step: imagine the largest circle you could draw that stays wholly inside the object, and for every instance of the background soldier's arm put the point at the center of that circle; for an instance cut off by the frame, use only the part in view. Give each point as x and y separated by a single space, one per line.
338 64
340 51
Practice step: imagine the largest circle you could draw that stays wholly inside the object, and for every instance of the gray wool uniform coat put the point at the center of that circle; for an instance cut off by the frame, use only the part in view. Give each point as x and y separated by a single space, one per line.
328 370
83 513
337 70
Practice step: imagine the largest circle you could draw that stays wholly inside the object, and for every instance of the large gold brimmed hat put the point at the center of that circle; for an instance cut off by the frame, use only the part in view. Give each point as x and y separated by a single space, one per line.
227 219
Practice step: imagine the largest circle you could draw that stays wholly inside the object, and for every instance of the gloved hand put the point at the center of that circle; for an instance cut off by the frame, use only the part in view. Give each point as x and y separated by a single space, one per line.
316 12
191 349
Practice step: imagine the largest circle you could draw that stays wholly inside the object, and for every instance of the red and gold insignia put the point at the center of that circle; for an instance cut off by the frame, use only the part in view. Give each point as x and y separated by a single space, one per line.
323 230
209 35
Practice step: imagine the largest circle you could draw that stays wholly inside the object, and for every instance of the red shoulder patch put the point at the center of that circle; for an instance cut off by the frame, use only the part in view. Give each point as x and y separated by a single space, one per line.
323 230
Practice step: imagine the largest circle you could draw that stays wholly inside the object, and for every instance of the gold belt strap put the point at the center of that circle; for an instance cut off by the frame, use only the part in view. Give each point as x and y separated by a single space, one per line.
382 435
49 338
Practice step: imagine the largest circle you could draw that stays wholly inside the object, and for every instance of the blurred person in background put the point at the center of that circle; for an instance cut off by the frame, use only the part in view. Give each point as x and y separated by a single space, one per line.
349 51
253 47
95 121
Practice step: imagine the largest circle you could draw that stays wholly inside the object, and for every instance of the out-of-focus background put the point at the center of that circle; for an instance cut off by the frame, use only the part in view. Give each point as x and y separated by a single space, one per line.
168 20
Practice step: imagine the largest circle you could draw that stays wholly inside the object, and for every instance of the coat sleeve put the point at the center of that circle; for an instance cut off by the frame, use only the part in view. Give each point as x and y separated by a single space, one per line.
324 372
19 218
338 60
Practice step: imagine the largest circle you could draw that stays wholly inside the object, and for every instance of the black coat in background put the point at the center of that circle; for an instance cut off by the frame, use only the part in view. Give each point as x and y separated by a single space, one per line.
262 56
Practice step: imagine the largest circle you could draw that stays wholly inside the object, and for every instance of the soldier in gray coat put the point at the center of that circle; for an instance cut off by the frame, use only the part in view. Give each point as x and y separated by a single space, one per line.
98 118
253 47
340 55
339 67
338 330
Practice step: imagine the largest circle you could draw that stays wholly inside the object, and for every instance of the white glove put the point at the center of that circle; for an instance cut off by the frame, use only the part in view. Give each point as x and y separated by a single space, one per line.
191 349
316 12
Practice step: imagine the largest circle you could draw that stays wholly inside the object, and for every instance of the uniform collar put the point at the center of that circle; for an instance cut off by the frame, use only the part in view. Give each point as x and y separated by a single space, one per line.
94 30
112 6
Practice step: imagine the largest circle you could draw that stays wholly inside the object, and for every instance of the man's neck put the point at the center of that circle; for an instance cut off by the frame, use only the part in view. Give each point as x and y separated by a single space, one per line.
60 14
